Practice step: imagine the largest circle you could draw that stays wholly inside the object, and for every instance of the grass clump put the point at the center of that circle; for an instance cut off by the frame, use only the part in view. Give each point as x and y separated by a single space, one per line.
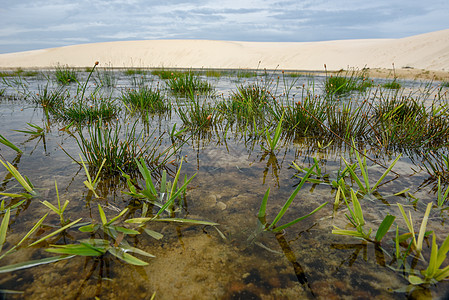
65 75
196 114
187 83
393 85
91 109
166 74
344 83
118 149
131 72
145 99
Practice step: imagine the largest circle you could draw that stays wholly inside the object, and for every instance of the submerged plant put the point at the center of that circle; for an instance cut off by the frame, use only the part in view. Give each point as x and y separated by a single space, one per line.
356 219
92 184
98 247
272 227
24 182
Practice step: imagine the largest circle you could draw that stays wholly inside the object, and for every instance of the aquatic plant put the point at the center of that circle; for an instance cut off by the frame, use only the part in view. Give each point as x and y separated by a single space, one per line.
167 74
51 99
188 83
23 180
60 209
441 198
433 273
93 109
356 219
99 247
167 190
365 187
344 83
417 244
272 227
106 77
6 142
194 113
120 149
131 72
273 143
394 85
145 99
34 130
27 264
65 74
92 184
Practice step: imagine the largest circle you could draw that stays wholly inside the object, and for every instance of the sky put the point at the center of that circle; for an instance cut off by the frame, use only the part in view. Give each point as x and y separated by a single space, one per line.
35 24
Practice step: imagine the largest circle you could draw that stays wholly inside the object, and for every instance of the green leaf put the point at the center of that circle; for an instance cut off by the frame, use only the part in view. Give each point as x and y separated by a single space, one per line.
188 221
55 232
5 142
263 205
118 216
291 198
128 248
415 280
33 263
422 229
104 221
127 257
432 268
35 227
4 228
357 209
154 234
386 172
384 227
78 249
89 228
125 230
280 228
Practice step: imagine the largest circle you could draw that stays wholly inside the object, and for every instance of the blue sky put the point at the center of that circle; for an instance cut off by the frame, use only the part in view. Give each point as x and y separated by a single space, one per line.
35 24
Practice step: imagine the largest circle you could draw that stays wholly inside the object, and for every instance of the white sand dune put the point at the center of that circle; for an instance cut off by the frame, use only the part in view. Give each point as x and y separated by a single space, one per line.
426 51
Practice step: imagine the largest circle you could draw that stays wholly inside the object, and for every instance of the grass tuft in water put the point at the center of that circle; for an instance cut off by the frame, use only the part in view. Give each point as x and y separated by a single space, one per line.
187 83
65 75
145 99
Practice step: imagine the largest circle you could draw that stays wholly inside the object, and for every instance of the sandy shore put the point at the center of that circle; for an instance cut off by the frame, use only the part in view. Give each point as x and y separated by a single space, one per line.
420 56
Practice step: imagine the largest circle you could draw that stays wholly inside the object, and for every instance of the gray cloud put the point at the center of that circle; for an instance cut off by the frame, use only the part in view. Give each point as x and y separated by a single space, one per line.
28 24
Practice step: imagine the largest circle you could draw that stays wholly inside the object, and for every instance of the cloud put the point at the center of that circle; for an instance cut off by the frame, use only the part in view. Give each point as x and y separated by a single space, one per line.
28 24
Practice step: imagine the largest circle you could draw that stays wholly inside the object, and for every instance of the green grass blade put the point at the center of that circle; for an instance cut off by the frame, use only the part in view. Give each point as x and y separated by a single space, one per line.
4 228
263 205
386 172
33 263
50 206
154 234
18 177
186 221
35 227
358 213
79 249
384 227
5 142
55 232
354 176
422 229
118 216
432 268
280 228
104 221
292 197
126 257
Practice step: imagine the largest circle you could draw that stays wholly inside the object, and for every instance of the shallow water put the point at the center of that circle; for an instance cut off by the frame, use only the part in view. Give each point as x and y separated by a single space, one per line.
195 261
